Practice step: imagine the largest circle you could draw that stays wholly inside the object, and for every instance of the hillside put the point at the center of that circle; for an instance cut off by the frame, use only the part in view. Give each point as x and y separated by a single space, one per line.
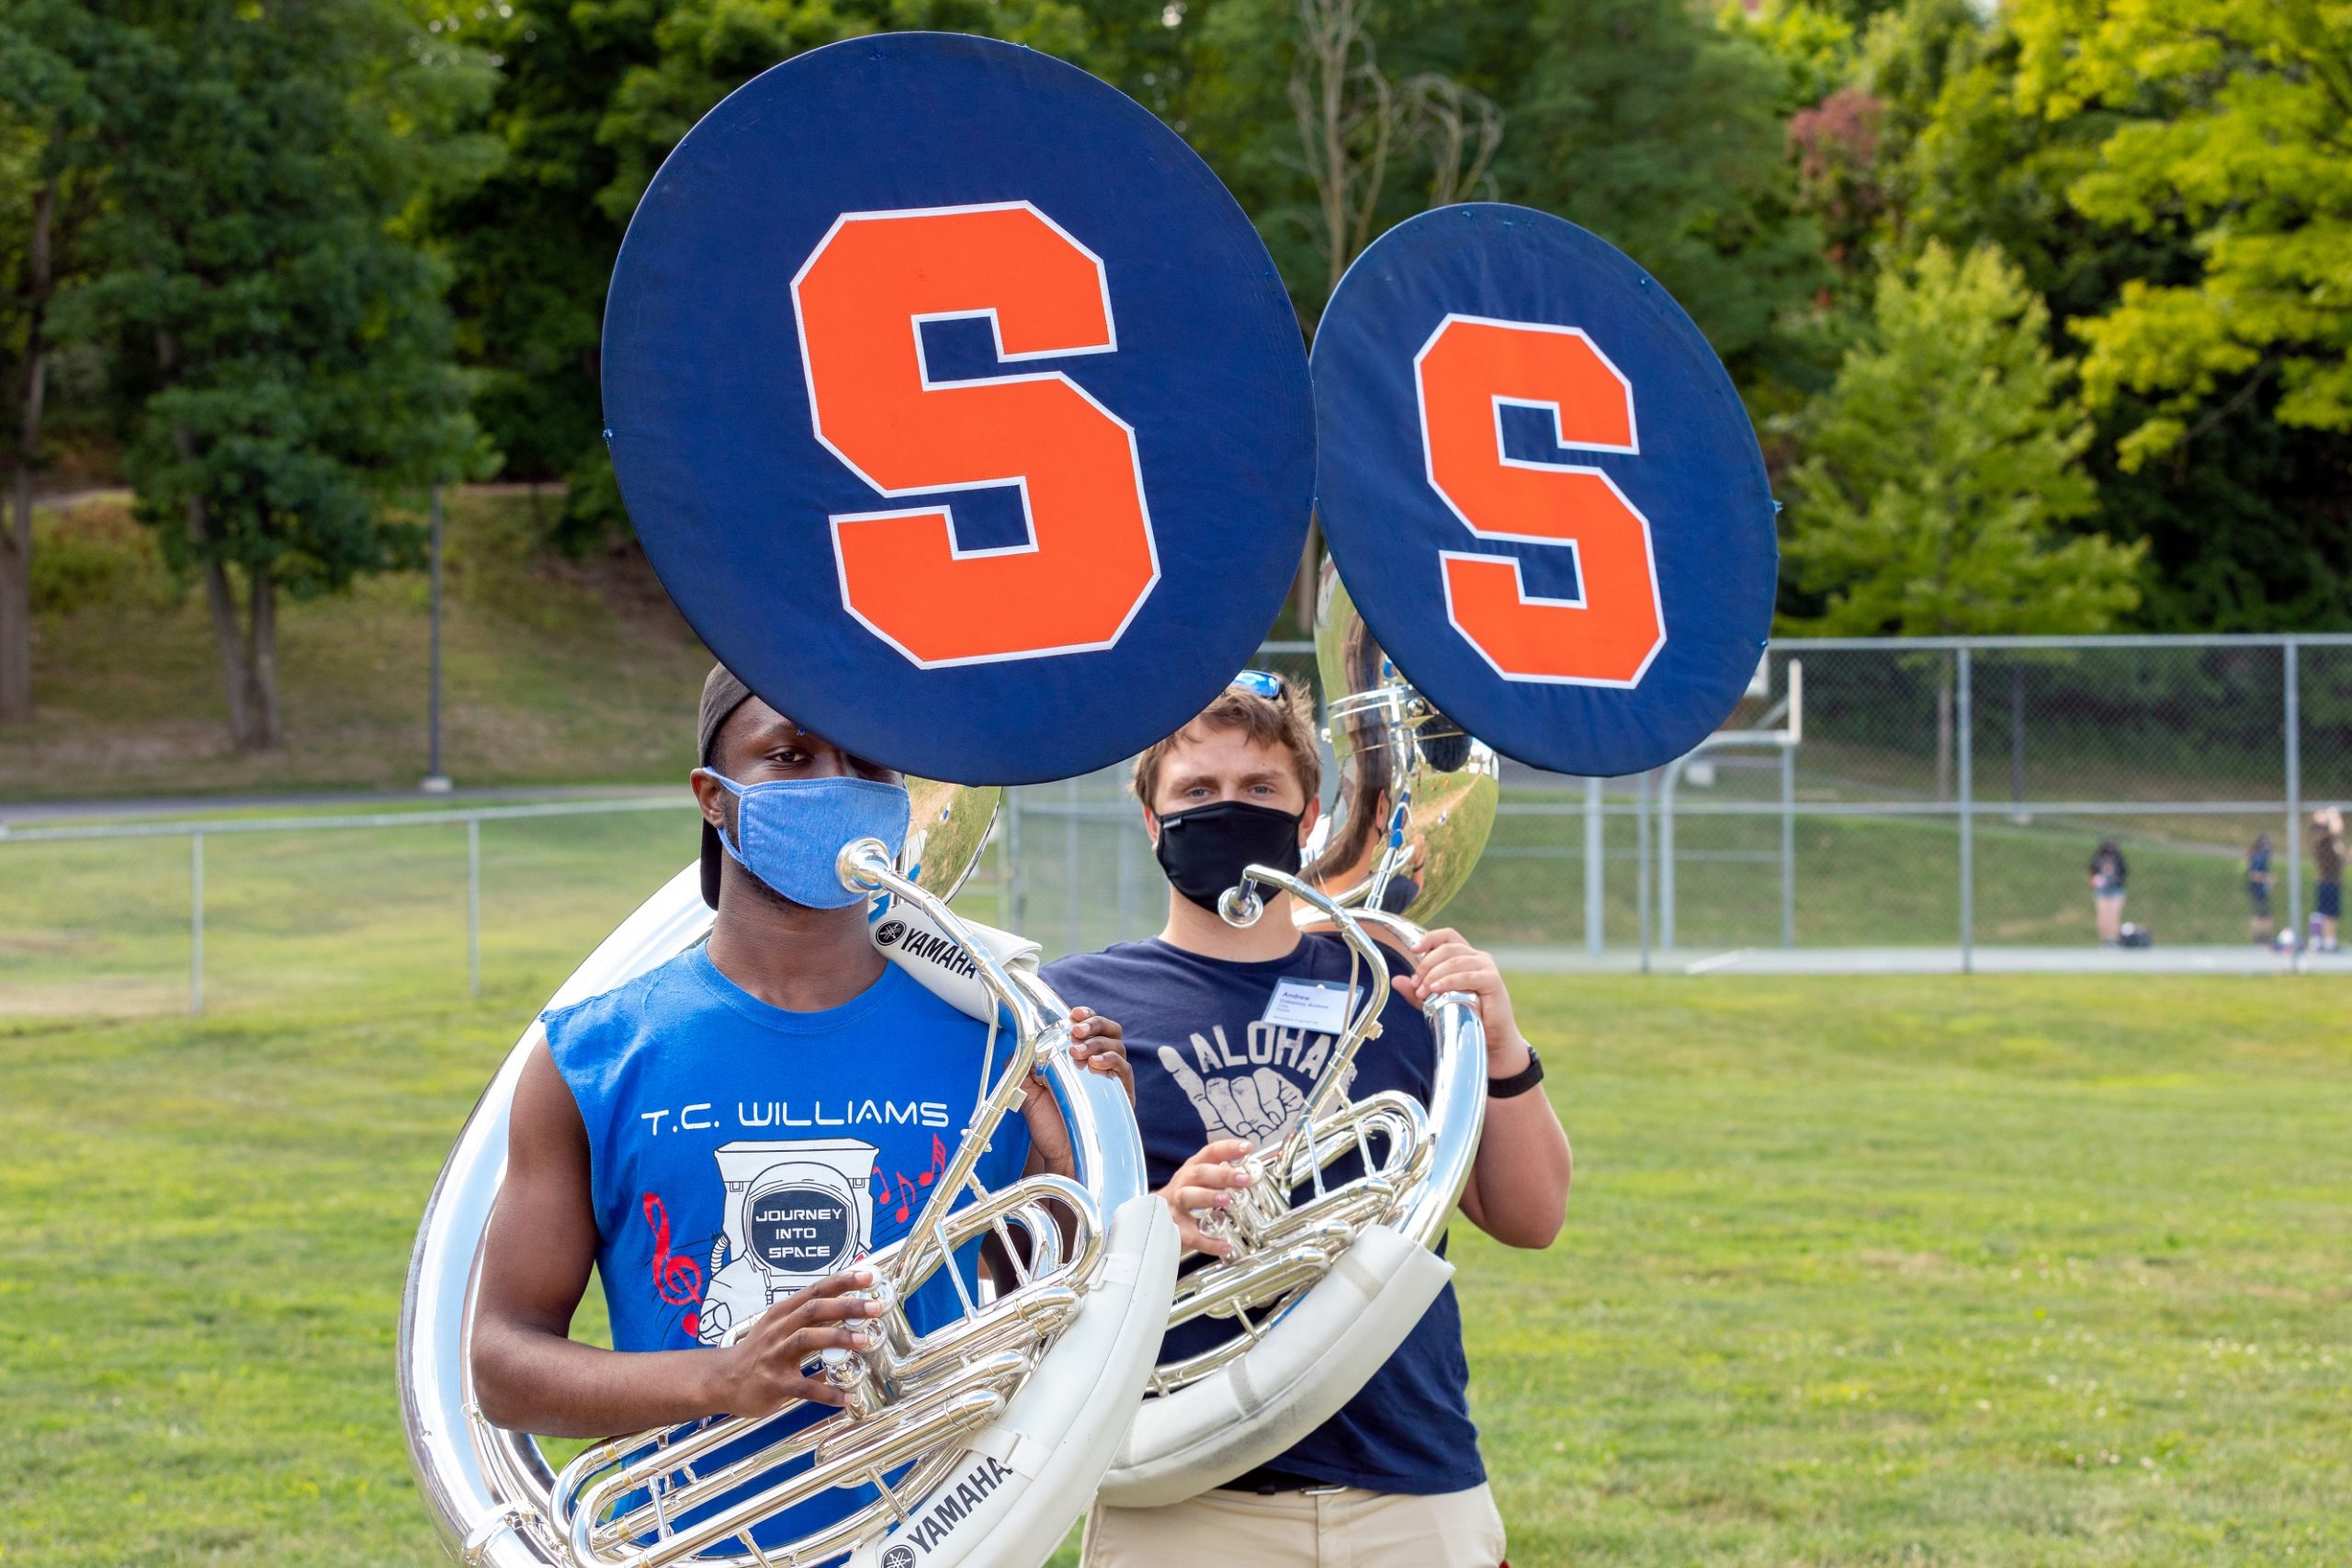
555 671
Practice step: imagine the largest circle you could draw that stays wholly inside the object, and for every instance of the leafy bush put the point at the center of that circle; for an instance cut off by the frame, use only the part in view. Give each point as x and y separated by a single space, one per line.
93 555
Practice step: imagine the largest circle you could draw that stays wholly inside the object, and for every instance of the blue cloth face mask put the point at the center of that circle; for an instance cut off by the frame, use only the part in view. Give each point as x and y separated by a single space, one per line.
789 833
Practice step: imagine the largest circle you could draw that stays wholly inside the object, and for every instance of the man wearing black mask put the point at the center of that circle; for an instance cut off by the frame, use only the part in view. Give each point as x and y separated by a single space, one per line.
1394 1480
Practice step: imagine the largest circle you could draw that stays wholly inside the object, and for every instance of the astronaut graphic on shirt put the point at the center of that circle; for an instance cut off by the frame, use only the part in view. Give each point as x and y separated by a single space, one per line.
796 1214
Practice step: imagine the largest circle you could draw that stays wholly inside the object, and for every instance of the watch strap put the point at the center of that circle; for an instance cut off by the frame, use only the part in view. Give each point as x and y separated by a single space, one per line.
1519 1082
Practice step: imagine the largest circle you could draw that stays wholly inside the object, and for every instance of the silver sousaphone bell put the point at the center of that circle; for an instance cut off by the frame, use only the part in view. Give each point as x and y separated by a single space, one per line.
1416 792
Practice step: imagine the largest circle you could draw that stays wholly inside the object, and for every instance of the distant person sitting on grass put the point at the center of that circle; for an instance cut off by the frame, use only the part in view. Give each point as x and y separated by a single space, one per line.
2107 872
2327 855
2257 887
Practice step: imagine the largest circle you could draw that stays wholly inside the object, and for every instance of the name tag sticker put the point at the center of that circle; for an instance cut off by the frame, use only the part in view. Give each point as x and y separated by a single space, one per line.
1309 1004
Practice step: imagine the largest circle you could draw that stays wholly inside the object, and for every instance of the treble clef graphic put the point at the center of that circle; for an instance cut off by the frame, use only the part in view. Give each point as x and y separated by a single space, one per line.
678 1281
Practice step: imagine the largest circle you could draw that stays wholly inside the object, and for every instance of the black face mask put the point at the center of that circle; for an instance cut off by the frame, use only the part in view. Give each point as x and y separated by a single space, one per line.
1204 851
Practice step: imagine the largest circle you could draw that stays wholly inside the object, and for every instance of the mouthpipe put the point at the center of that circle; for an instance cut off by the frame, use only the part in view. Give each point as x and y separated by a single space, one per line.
1333 1084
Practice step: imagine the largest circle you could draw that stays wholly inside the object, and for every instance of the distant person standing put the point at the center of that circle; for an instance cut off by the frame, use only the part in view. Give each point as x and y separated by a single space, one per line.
2327 856
2258 888
2107 875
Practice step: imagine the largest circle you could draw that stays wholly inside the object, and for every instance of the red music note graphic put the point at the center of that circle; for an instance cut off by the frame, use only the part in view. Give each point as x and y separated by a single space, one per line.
895 1184
676 1280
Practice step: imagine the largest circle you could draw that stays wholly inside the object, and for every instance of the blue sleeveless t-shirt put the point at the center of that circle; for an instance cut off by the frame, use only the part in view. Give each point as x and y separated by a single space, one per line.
739 1152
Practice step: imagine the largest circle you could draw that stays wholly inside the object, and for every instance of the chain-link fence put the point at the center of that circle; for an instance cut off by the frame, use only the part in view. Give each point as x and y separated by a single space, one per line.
105 918
1921 804
1938 795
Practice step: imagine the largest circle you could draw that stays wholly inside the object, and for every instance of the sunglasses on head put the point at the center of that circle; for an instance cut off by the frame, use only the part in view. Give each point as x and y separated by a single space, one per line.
1260 683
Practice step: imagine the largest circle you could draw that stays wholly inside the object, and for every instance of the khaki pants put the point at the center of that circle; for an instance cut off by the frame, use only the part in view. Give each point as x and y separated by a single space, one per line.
1345 1529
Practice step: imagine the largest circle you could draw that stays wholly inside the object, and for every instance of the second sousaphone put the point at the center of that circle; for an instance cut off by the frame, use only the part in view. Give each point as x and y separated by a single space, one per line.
1552 533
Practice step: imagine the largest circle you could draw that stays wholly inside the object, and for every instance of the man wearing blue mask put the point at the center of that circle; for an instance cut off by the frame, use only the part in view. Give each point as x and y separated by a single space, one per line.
730 1134
1394 1480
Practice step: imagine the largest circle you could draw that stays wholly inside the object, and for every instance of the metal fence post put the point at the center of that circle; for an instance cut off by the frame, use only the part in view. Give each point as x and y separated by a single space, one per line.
1069 863
1666 932
1788 846
196 923
1595 851
1642 859
1016 883
473 905
2291 846
435 782
2016 738
1965 731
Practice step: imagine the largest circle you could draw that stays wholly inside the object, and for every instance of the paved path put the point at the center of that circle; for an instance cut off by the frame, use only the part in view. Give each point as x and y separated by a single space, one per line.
2246 959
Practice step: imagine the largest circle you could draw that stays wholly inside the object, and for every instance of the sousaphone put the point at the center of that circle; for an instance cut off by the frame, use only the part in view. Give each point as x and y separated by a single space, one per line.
996 1406
1552 533
962 413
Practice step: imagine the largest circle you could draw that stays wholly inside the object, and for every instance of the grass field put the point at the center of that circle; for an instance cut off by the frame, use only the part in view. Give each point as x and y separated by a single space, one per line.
1887 1270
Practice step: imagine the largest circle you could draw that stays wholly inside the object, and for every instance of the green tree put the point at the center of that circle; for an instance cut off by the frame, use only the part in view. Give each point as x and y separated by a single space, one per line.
592 94
1339 119
1638 119
2247 521
280 341
1813 46
531 246
49 194
1835 132
1910 55
1935 468
1662 133
704 50
2235 115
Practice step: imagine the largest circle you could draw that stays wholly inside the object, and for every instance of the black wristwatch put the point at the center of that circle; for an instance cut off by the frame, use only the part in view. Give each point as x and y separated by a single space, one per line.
1519 1082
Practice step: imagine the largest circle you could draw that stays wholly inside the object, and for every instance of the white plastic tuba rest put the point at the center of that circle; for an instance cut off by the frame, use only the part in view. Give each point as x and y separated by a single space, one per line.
1308 1365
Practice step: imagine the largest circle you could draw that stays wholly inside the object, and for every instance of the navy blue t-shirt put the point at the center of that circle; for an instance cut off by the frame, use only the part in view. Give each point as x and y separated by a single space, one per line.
1208 1066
